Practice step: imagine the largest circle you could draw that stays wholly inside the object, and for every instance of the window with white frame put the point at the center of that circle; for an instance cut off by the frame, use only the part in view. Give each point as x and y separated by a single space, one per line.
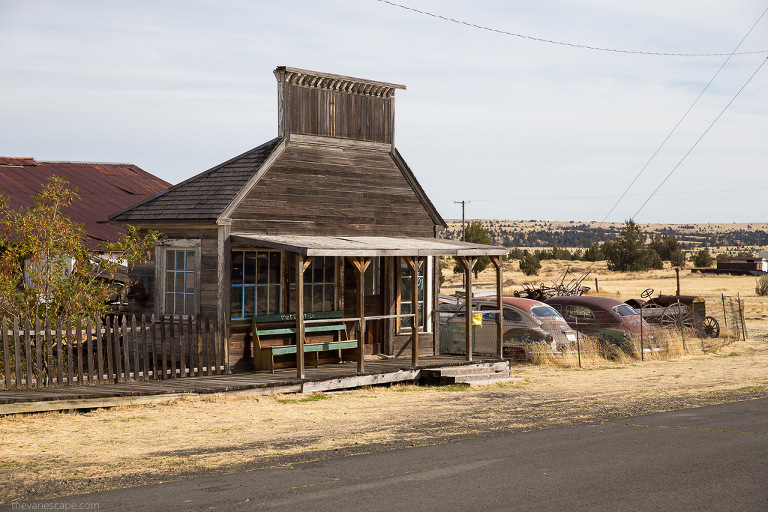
180 281
319 285
256 285
406 301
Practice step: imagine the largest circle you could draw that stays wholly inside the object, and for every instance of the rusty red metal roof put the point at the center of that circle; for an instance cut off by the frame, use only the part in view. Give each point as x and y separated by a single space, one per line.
103 189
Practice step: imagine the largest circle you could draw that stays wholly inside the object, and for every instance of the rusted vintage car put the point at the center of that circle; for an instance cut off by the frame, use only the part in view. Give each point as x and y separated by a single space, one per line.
529 325
608 319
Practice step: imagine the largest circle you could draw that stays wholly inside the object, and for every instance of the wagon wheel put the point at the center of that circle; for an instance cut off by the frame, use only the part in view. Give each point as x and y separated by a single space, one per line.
675 315
711 327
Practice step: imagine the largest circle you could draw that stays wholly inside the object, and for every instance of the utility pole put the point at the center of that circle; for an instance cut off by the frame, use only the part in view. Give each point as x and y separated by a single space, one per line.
462 203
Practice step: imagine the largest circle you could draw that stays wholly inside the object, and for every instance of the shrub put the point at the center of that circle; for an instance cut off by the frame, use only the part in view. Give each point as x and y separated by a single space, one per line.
530 265
761 288
703 259
677 258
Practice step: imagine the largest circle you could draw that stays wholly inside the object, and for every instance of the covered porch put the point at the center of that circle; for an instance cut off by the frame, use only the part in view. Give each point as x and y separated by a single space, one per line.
358 253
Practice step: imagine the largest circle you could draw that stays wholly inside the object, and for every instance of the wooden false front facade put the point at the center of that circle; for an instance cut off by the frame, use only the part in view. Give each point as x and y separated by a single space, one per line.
329 207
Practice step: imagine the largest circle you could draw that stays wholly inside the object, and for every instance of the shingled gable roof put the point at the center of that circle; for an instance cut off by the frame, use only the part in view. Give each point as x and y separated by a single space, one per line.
206 196
203 197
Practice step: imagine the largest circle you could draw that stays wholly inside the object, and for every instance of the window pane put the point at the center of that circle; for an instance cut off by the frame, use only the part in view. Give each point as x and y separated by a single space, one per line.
179 260
405 309
274 299
169 303
179 306
274 267
292 299
328 304
179 286
236 302
262 300
405 289
190 282
170 260
169 281
317 297
249 299
318 270
237 267
249 267
190 260
262 268
308 297
330 267
189 306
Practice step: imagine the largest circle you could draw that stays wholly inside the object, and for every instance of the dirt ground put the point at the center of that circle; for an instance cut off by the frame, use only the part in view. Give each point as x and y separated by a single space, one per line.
54 454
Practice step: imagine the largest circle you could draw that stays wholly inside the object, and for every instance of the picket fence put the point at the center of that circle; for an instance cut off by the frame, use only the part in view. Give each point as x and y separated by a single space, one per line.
94 351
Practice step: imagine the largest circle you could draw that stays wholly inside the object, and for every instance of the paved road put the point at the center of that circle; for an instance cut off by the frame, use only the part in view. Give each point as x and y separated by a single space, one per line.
711 458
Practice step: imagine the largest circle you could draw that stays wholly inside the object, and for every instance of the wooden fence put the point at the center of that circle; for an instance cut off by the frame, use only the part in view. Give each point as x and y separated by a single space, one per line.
84 351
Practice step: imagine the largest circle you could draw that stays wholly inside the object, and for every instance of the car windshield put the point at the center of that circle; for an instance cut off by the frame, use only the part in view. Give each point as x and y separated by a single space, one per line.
544 312
625 310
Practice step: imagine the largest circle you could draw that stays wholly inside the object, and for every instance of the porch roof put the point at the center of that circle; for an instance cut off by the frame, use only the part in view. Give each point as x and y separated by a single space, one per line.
365 246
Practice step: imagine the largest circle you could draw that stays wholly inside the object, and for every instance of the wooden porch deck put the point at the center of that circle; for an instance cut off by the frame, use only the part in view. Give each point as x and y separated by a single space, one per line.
325 378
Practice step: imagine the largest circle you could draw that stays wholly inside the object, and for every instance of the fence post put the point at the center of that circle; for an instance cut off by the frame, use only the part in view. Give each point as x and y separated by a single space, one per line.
680 319
39 361
135 341
199 346
741 318
164 347
208 345
17 351
145 346
99 352
89 349
182 349
189 347
48 352
155 352
172 340
70 362
28 351
6 355
79 339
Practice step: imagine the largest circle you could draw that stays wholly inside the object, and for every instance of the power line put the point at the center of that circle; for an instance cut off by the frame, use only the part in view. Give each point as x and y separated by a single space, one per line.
684 116
701 137
561 43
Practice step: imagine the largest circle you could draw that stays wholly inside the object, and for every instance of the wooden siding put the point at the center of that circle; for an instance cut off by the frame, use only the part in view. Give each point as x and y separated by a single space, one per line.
338 114
321 190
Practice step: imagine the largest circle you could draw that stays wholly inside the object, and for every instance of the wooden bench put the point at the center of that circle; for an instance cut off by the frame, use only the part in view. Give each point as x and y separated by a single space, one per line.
264 355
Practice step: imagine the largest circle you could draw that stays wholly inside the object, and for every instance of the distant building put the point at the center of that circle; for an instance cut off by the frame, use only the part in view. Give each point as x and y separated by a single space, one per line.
103 188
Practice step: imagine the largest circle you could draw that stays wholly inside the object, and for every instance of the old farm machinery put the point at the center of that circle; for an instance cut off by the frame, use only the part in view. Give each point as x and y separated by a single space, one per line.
688 311
558 288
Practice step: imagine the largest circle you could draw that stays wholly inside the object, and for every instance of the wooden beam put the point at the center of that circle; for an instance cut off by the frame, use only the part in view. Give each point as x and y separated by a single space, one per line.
300 316
307 263
413 265
496 260
468 263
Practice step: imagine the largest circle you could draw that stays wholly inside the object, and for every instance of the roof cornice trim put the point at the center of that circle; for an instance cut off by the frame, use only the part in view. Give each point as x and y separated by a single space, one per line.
338 83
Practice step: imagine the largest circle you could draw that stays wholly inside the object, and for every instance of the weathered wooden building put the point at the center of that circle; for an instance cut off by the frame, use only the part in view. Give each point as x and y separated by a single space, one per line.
328 207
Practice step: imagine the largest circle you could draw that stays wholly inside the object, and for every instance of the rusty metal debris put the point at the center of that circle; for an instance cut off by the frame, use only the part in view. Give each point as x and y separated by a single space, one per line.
558 287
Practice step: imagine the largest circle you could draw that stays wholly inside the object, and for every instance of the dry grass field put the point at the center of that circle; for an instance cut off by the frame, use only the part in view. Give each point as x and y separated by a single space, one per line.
54 454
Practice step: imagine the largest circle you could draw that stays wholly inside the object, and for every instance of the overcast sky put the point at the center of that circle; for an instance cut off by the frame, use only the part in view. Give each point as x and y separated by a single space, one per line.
523 129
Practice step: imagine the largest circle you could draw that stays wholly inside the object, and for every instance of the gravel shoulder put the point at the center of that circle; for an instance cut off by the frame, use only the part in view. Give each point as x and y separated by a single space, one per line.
56 454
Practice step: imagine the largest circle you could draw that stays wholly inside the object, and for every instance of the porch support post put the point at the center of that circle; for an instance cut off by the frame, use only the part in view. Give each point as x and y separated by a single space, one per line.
300 316
496 260
413 265
468 263
360 265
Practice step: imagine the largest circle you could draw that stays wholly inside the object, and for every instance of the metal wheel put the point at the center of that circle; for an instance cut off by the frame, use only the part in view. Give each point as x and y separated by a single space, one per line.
711 327
676 315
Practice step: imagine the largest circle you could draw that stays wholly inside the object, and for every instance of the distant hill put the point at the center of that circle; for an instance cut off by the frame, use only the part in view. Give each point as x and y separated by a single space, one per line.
539 233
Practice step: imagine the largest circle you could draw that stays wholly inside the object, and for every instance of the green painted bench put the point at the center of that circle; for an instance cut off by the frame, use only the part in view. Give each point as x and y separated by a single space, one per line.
264 355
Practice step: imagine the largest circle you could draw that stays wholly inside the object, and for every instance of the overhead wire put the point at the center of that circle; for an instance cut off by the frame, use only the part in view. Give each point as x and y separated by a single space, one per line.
701 137
561 43
680 121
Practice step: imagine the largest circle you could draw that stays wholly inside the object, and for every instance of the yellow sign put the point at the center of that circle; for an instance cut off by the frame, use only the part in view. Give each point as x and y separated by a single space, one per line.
477 319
